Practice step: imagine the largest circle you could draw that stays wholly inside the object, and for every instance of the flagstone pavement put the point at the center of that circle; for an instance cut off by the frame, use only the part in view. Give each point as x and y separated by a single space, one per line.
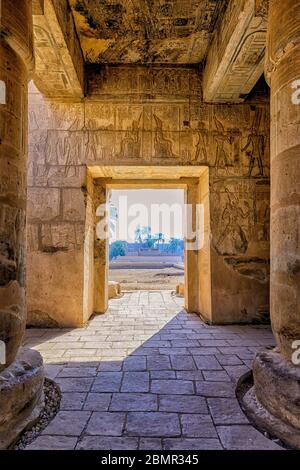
147 375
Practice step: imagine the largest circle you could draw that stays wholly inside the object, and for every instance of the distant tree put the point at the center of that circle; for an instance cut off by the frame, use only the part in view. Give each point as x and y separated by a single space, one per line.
160 238
116 249
138 235
174 245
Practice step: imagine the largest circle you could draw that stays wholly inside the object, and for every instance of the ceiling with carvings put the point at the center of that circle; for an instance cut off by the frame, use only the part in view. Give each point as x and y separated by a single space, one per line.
145 31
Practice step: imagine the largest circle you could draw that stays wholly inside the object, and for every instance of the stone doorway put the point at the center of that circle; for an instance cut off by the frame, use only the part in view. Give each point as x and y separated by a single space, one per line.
194 183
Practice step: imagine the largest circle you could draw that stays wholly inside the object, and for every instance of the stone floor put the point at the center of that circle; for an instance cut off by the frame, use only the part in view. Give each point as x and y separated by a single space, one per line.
147 375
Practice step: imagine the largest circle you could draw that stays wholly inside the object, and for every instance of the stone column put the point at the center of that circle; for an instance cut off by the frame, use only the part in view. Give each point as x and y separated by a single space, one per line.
283 68
21 379
277 373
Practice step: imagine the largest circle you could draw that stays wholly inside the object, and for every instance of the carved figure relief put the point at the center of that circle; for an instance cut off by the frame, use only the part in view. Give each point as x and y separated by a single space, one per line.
233 238
255 146
223 160
163 147
201 155
132 142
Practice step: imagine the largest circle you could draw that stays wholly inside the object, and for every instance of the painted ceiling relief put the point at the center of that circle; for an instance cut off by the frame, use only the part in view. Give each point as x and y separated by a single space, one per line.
145 31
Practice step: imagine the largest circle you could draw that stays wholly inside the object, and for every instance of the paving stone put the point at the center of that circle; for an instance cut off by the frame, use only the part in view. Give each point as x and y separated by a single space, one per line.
189 375
153 424
216 376
244 438
207 363
72 401
107 404
133 402
215 389
203 351
68 423
162 374
236 372
136 382
198 425
107 443
53 443
192 444
150 444
78 372
174 351
178 387
212 343
226 411
97 401
74 384
158 363
228 360
182 404
106 424
182 362
107 382
110 366
134 363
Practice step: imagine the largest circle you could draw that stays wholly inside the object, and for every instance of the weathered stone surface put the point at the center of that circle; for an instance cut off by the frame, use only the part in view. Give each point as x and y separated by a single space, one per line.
283 68
106 424
226 411
176 32
114 290
281 378
59 62
244 438
153 424
133 402
107 443
68 423
16 62
235 60
21 395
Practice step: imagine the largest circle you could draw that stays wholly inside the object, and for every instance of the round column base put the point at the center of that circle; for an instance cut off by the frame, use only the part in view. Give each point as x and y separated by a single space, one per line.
273 403
21 395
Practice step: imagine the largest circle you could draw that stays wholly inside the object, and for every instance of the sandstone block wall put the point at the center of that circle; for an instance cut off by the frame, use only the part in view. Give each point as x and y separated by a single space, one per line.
148 116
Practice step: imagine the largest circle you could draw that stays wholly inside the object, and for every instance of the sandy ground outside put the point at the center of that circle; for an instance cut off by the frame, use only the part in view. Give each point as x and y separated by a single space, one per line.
147 279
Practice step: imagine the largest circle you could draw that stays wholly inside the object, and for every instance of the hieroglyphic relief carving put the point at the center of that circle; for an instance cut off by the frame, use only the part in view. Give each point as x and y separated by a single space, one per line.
162 145
233 238
235 60
143 32
132 142
121 82
201 154
255 146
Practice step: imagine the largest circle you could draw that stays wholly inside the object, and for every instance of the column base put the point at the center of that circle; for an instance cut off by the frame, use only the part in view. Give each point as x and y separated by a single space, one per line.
21 395
273 403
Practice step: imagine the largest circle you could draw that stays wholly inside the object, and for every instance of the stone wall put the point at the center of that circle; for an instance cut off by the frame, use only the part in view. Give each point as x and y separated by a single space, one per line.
148 116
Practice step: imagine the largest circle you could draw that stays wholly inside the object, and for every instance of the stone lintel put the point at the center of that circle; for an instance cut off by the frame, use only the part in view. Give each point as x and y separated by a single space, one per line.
235 60
59 60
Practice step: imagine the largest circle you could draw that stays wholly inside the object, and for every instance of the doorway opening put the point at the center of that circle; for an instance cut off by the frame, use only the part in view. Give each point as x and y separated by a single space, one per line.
193 183
146 245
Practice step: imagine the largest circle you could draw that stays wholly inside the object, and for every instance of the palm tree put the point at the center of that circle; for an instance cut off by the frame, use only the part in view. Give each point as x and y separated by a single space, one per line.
138 234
